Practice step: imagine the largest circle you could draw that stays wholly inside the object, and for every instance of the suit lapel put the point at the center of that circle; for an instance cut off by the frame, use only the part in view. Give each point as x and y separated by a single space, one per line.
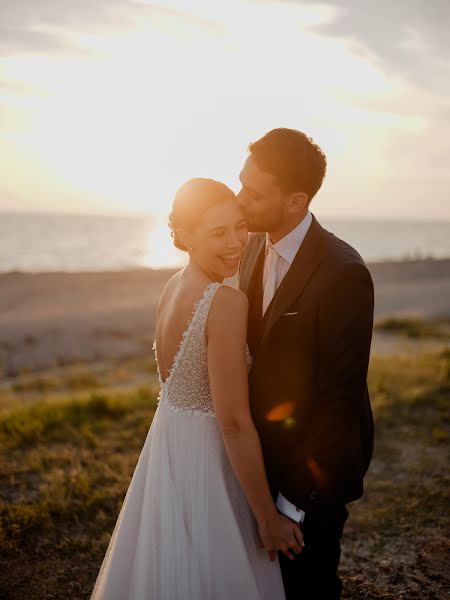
249 267
303 266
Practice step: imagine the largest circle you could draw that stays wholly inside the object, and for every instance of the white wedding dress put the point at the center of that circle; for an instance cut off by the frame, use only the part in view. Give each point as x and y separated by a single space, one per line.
185 530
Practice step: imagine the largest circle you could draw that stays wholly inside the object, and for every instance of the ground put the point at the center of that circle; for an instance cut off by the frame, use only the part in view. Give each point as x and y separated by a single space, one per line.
70 438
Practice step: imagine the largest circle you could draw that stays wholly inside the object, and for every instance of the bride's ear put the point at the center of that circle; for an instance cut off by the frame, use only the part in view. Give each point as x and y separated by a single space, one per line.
185 237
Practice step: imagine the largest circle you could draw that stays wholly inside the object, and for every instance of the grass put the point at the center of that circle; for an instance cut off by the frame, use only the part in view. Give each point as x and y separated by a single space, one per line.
82 376
396 535
64 420
414 327
67 457
65 465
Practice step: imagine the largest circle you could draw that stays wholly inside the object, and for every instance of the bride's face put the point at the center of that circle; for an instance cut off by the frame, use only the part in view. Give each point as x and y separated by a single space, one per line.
219 239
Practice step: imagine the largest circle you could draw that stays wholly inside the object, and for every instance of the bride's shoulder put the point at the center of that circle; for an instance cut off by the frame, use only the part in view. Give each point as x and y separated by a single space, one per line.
233 296
166 294
228 301
227 317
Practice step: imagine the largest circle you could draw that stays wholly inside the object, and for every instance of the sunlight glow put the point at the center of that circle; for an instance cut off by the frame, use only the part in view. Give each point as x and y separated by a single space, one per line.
120 125
161 251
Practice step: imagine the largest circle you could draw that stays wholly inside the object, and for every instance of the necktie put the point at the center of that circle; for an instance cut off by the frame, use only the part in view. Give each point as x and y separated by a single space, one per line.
271 282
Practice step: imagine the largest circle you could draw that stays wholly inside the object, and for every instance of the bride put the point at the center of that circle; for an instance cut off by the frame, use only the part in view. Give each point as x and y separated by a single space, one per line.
198 520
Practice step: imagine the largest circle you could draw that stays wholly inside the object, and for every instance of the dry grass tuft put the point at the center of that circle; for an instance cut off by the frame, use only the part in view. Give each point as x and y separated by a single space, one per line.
68 453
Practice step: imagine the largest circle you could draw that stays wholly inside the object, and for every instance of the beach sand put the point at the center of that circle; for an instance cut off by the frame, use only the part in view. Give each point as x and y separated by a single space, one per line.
51 319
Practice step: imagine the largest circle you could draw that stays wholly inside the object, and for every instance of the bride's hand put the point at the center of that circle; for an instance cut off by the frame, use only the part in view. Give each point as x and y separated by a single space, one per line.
280 533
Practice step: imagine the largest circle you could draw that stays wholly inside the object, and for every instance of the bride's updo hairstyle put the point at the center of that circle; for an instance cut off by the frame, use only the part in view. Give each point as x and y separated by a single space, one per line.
191 201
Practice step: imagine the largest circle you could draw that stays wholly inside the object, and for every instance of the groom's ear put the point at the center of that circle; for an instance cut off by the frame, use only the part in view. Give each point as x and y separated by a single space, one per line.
298 202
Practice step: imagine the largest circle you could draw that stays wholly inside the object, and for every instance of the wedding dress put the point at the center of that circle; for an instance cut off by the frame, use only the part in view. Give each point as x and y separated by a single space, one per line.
185 530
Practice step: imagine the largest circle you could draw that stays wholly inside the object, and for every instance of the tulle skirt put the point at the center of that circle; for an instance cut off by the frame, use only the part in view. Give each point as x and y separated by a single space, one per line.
185 530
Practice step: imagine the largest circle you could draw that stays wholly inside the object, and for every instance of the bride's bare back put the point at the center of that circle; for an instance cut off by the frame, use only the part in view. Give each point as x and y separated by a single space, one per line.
175 309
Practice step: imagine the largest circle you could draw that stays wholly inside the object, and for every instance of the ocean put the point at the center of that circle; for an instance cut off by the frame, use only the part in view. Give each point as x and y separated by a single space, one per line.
56 242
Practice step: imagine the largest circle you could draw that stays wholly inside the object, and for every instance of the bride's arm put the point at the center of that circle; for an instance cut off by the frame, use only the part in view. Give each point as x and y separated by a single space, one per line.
227 367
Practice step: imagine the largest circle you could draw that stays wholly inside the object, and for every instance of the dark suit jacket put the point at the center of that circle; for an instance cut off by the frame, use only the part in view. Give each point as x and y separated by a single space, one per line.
308 390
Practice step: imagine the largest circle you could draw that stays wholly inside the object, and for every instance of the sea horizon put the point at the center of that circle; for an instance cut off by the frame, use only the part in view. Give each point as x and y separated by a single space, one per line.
75 242
148 215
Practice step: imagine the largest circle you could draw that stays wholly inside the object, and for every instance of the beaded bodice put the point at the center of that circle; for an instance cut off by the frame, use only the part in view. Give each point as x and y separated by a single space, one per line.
186 388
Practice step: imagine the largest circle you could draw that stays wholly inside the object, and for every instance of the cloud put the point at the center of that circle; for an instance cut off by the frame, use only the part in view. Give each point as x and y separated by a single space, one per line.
14 38
51 26
34 27
29 13
406 38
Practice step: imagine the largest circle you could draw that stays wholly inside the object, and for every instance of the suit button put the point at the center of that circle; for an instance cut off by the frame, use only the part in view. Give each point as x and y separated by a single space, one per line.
313 495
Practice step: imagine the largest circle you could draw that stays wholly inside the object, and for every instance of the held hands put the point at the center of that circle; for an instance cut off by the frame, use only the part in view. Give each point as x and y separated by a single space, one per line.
280 533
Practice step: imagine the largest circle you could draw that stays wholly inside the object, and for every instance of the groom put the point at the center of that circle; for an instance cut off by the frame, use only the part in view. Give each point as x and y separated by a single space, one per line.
309 332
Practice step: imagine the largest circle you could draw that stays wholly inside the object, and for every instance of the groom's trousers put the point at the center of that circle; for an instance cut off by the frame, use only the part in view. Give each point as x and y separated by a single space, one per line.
312 575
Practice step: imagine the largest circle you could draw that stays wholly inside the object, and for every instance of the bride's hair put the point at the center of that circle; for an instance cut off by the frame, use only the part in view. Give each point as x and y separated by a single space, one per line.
192 200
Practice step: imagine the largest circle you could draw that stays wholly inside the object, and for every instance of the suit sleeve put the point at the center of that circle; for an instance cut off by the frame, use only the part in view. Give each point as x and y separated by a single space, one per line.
331 462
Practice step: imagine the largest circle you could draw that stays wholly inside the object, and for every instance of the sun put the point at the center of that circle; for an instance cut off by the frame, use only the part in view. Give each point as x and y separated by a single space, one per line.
161 253
144 108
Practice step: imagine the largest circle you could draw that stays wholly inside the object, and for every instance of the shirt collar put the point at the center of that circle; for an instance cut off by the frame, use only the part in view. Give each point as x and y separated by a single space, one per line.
289 245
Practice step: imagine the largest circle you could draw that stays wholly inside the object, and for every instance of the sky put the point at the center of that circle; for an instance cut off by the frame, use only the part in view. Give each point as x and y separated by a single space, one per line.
107 106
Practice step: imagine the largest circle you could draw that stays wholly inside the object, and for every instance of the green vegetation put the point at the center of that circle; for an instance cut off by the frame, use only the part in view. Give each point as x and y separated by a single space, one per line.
67 456
79 377
393 544
65 464
414 327
71 420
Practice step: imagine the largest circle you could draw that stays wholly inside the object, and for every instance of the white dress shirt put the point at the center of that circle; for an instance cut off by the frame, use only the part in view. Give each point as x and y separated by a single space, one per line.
286 249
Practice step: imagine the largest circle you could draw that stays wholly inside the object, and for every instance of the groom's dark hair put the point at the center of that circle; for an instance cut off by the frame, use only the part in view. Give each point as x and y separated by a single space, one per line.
298 163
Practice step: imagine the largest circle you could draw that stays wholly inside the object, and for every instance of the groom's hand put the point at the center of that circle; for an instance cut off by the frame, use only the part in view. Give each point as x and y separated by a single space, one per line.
281 534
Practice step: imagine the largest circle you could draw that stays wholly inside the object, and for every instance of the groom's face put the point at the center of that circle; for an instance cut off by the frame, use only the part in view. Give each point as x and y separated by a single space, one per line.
260 198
